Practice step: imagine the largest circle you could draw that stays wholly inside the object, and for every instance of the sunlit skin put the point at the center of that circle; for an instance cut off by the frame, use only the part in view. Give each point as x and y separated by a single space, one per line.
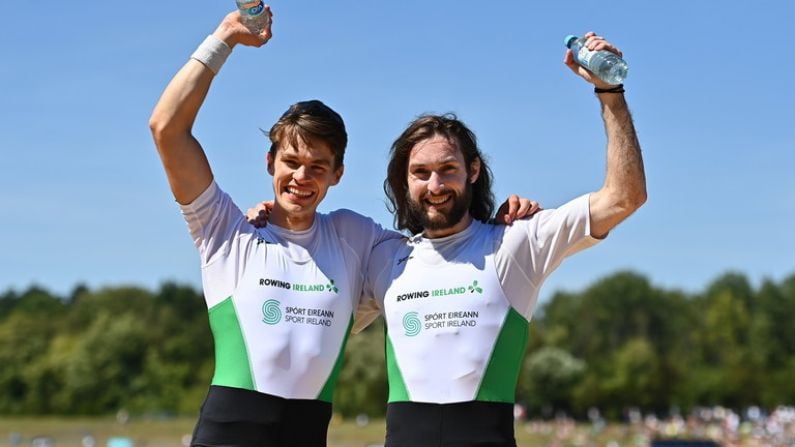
301 177
437 178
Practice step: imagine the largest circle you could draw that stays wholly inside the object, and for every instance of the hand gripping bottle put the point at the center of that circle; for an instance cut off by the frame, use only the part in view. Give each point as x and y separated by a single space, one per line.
606 65
253 15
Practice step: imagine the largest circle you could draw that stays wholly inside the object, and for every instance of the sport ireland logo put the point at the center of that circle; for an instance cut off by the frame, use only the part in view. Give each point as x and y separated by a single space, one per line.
271 312
412 324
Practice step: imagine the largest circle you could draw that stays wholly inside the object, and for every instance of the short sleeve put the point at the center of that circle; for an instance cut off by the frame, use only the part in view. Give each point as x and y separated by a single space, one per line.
360 232
223 237
533 248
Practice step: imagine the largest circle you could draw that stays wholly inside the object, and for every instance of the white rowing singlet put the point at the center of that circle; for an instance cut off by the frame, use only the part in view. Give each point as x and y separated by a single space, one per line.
280 302
457 308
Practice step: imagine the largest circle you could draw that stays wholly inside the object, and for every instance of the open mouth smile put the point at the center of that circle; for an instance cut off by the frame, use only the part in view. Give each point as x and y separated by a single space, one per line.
299 193
436 201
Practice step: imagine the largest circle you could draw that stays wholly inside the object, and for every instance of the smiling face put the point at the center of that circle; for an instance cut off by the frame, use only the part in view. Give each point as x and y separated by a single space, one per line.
302 174
440 186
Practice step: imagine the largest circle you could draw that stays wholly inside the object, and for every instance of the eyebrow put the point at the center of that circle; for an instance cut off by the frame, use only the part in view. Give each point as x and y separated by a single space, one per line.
314 161
446 161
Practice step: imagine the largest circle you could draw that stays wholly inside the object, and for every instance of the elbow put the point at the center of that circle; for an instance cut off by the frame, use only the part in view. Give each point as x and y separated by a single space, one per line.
627 202
158 127
630 196
624 199
633 201
640 198
163 130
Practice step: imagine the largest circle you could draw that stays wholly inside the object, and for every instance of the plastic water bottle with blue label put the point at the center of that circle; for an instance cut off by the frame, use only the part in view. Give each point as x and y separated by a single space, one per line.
253 15
606 65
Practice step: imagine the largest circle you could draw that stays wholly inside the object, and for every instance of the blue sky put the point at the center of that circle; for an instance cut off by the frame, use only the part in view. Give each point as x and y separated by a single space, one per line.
85 200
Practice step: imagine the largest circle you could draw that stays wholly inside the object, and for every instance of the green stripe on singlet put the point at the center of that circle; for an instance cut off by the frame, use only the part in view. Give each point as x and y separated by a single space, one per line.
502 373
397 387
327 394
232 366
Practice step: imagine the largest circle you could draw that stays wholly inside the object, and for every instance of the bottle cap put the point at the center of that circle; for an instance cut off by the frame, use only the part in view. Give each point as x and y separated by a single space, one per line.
569 39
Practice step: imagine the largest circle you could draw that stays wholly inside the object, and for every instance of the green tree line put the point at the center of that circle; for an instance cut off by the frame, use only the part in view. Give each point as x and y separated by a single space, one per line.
620 343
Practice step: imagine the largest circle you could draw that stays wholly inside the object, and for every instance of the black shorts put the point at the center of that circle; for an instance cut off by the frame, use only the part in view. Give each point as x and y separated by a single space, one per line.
466 424
232 417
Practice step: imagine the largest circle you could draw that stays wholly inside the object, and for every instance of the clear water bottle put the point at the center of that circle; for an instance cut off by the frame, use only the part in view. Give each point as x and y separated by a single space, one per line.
606 65
253 15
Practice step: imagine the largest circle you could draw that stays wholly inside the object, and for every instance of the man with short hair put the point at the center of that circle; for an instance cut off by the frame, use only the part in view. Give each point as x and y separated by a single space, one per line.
280 299
458 295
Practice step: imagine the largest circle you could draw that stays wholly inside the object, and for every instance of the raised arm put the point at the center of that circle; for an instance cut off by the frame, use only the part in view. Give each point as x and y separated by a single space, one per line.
624 189
172 120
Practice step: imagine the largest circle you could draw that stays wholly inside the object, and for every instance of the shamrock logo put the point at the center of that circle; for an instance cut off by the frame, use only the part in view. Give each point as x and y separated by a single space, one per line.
475 288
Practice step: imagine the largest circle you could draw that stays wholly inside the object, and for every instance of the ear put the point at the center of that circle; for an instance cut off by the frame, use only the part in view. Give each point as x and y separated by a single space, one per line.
474 170
269 163
338 174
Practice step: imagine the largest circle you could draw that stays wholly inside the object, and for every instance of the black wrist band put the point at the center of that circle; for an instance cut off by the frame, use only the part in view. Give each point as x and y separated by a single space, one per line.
617 89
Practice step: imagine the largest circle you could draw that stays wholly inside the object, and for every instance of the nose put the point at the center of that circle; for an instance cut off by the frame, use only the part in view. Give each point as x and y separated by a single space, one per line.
435 184
300 174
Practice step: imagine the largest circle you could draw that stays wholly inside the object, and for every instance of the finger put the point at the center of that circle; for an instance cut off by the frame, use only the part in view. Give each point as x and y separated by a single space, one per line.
266 34
598 43
269 12
576 68
603 45
524 210
593 41
502 213
532 208
506 213
606 46
569 61
514 205
613 49
500 216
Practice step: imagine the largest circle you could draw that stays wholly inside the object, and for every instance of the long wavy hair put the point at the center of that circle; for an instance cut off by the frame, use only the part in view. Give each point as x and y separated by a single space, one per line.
396 183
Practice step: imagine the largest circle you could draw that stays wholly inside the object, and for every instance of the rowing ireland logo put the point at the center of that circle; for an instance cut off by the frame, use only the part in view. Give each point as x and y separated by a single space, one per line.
331 287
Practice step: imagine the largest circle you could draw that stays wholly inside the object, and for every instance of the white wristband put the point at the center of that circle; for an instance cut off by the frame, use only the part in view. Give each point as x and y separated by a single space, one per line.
212 53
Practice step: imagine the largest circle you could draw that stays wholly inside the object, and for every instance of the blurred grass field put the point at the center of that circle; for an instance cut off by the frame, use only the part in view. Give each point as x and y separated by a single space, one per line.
173 432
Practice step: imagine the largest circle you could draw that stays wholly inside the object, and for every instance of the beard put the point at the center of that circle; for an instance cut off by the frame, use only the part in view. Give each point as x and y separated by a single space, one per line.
441 219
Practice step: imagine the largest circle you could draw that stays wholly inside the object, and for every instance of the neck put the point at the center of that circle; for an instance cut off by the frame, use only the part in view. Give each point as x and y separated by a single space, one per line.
295 222
449 231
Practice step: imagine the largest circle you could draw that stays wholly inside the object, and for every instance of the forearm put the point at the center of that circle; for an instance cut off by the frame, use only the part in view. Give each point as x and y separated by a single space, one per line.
179 104
624 189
